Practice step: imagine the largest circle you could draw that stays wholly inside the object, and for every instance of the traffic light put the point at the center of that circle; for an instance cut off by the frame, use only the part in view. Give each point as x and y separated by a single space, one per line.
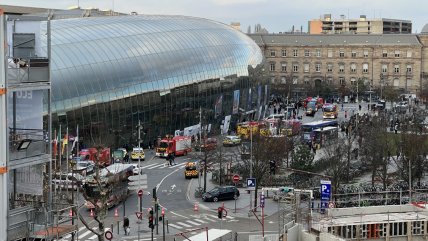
220 212
272 167
151 219
154 194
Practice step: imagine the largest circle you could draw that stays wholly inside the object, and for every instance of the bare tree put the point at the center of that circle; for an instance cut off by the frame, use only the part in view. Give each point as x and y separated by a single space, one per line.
336 164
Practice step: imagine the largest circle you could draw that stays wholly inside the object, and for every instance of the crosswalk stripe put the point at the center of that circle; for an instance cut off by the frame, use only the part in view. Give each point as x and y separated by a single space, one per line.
69 235
149 165
184 224
198 220
93 237
209 219
85 234
175 226
155 166
177 165
191 222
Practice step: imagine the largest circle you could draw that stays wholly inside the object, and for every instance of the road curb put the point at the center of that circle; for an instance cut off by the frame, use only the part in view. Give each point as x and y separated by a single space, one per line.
192 200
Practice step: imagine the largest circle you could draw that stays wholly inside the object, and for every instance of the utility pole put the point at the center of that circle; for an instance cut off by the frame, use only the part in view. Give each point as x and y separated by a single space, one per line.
3 132
139 163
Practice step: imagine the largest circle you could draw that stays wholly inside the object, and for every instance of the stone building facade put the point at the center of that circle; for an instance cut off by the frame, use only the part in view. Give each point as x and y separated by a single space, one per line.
343 60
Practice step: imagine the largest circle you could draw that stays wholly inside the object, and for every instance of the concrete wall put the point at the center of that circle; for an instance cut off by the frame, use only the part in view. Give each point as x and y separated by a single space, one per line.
329 237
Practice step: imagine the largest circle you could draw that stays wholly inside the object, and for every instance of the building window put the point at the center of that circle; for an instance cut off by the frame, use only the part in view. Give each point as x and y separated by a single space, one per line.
295 80
329 68
342 80
353 54
295 68
318 52
284 53
341 54
366 53
317 67
272 80
365 68
307 53
341 68
397 53
272 53
306 68
353 81
384 53
283 80
295 53
384 68
353 68
409 68
409 54
272 66
330 53
409 82
418 227
396 82
306 81
396 68
283 67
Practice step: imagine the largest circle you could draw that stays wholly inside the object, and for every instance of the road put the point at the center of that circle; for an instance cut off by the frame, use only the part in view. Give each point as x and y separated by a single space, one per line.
173 192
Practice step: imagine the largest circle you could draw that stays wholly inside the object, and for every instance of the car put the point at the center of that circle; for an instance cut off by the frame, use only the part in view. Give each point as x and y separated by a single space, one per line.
84 167
208 144
68 180
275 116
138 153
231 141
221 193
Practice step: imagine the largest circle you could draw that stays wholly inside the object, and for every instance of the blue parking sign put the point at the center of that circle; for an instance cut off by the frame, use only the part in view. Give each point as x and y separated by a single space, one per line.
251 183
325 193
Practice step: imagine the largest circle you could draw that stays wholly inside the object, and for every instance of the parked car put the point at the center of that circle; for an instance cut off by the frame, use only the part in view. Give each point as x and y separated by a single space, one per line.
231 141
221 193
85 167
68 180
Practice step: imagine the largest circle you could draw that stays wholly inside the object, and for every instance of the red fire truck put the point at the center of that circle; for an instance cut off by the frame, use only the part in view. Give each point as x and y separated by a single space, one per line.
104 158
177 145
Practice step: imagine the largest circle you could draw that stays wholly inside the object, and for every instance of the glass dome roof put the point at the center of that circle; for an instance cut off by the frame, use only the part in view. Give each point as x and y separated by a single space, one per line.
95 60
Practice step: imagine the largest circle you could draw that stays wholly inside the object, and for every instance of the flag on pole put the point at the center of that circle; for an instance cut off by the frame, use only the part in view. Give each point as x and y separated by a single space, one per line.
64 142
55 144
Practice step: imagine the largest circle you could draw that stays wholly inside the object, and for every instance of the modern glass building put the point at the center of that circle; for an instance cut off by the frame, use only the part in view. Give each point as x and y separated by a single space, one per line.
108 73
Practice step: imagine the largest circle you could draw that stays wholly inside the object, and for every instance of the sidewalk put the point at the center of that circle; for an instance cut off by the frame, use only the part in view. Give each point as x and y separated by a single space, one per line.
242 204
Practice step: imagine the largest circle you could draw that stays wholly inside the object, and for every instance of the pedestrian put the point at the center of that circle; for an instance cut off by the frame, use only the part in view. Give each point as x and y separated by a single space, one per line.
173 159
395 128
126 228
168 160
126 157
359 107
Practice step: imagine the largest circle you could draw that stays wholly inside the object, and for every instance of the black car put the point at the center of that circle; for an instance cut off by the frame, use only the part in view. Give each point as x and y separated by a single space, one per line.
221 193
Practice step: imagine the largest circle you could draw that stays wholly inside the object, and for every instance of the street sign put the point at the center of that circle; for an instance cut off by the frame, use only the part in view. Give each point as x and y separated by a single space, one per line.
262 200
325 193
139 215
236 178
140 192
251 183
108 235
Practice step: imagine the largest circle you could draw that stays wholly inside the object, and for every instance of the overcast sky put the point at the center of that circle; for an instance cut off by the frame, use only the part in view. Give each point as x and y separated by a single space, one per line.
274 15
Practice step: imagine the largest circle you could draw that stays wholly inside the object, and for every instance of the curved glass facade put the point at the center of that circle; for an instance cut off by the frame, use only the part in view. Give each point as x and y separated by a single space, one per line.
109 72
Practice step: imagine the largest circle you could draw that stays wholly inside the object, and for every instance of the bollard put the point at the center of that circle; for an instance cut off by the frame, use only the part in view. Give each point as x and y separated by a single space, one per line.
111 226
167 226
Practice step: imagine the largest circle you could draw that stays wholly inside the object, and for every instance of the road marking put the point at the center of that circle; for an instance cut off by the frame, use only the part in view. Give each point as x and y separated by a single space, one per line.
198 220
184 224
159 165
177 165
174 226
209 219
144 239
163 179
149 165
85 234
191 222
178 214
93 237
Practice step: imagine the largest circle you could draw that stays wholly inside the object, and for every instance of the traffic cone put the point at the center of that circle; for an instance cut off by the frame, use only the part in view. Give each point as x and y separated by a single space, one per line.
70 213
196 207
116 213
92 213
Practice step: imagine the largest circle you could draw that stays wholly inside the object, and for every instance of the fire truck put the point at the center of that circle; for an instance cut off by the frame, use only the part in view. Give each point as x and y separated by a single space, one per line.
177 145
246 129
103 160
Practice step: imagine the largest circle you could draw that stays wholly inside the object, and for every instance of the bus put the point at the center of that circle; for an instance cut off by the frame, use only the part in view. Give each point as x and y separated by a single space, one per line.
308 129
325 136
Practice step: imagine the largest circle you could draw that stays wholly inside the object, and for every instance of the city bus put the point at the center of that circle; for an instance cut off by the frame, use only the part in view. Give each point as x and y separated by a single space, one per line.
307 129
325 136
